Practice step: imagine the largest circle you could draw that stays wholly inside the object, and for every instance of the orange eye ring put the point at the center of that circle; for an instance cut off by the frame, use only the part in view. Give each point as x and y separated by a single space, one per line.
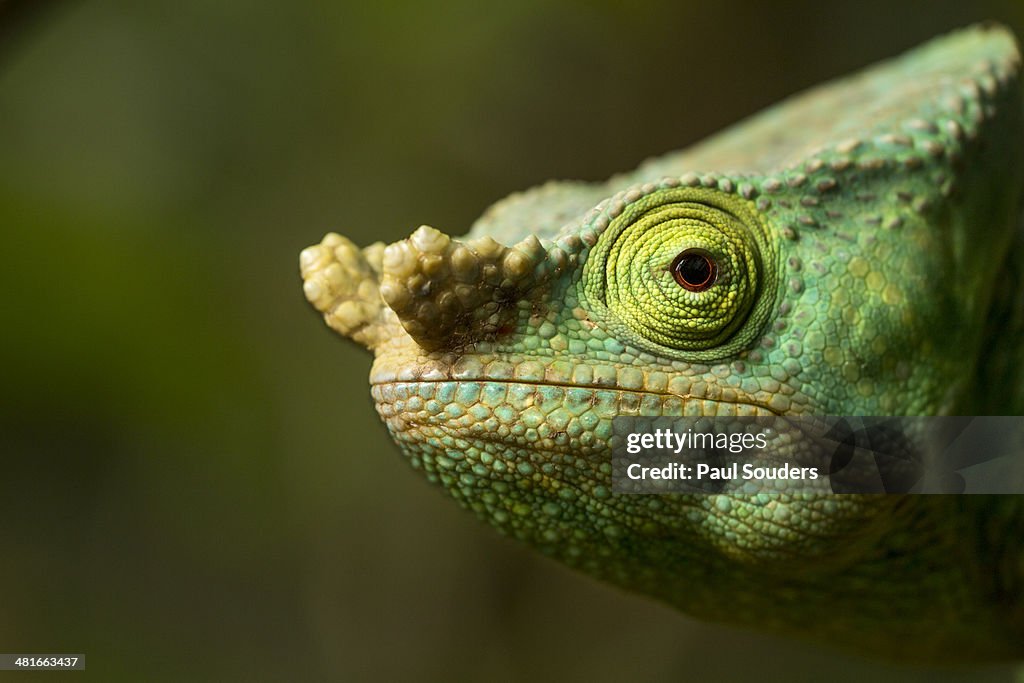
694 270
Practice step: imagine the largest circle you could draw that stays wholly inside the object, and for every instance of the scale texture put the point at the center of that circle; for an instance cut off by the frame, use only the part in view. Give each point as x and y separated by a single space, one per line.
854 250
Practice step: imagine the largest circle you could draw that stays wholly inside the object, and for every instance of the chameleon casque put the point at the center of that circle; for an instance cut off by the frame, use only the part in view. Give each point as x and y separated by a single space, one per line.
854 250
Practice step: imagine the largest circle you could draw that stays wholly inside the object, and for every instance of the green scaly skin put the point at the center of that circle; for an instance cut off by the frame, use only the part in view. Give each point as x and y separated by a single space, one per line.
870 259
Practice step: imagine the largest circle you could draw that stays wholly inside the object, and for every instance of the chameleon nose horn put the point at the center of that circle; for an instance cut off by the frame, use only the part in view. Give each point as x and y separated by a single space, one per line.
446 293
449 294
342 282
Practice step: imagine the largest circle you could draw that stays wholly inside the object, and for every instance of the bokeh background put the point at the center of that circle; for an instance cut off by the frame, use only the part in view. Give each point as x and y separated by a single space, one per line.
193 482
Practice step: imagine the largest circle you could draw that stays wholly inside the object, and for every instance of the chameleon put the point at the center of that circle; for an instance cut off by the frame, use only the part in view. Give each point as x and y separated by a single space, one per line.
856 249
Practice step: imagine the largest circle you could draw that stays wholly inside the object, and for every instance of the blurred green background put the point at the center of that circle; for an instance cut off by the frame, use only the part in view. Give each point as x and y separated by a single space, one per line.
194 484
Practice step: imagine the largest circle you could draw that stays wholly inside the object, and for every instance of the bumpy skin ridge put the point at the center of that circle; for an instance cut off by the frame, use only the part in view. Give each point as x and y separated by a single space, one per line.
868 250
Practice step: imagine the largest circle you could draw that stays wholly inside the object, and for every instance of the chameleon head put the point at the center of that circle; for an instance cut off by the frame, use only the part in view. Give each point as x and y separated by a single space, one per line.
815 281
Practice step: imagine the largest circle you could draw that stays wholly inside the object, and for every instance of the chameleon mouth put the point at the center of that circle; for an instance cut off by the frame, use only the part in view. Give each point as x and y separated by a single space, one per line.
562 414
628 391
464 434
436 420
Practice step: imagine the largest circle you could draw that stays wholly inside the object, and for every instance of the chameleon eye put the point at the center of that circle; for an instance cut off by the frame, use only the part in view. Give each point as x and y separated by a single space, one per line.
694 270
689 270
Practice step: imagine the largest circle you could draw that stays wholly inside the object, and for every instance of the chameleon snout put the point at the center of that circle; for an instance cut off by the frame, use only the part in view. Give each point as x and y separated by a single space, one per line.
446 293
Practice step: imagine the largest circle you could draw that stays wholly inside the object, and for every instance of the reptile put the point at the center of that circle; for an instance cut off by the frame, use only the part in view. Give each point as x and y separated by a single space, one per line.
856 250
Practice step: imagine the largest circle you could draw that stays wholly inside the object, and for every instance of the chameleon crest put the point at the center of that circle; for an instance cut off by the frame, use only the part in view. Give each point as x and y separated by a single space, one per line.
854 250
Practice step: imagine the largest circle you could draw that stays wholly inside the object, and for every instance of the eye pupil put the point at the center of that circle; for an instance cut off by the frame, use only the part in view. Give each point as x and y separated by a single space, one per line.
694 269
